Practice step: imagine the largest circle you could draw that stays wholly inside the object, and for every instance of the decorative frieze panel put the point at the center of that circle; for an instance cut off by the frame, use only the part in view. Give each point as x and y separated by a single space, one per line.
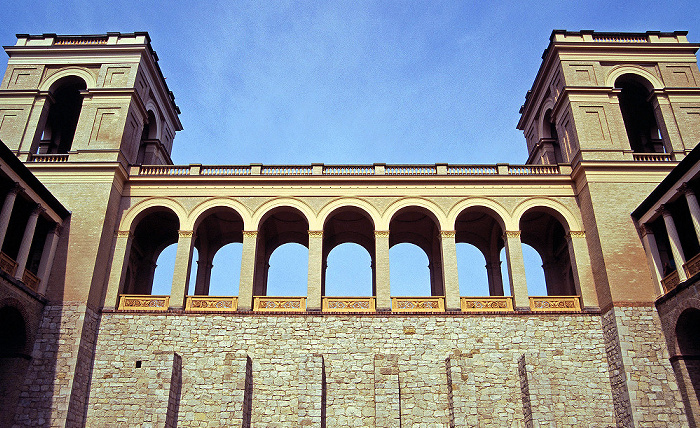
487 304
418 304
555 304
349 304
211 303
279 304
138 302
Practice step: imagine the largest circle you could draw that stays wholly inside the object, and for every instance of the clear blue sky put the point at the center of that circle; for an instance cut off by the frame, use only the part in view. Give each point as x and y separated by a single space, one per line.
347 82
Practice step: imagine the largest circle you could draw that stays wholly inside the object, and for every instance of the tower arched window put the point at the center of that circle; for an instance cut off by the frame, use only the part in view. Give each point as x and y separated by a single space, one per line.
638 114
62 119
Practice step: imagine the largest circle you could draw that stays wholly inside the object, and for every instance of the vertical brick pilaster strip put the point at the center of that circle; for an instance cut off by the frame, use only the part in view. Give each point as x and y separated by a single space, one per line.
387 395
616 369
461 389
237 380
525 392
174 393
311 392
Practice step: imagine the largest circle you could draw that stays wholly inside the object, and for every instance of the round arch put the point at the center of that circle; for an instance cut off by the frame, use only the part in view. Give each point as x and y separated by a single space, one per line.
79 72
199 212
547 105
332 207
136 212
682 306
620 70
261 213
438 216
152 107
555 208
500 214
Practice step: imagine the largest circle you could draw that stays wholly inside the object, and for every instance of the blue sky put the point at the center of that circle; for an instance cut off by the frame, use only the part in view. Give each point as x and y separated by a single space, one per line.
347 82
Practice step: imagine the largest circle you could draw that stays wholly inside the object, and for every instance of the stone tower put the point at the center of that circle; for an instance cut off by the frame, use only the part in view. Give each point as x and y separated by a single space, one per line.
79 110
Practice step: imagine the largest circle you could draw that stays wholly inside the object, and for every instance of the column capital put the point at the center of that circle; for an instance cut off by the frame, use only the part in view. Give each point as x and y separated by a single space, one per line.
381 233
38 210
185 233
15 189
250 233
685 188
448 233
124 234
577 234
315 234
646 230
511 234
664 211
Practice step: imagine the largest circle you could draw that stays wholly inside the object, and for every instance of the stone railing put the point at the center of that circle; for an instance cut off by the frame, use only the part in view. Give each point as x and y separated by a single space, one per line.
555 304
487 304
619 38
30 280
533 169
671 281
80 41
349 304
286 170
418 304
7 264
211 303
346 170
692 266
44 157
164 170
279 304
410 170
225 170
143 302
472 170
651 157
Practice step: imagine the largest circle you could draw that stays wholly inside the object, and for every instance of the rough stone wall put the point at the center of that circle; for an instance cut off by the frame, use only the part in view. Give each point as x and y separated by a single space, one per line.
58 377
643 382
342 370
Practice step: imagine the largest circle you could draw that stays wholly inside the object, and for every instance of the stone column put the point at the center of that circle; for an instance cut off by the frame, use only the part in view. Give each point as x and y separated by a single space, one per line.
6 211
183 262
313 293
582 270
245 287
47 256
204 265
381 242
675 241
516 270
26 244
449 271
493 272
693 207
120 264
653 256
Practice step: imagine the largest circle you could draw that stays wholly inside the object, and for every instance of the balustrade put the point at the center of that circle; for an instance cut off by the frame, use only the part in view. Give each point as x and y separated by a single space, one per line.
349 304
7 264
348 170
651 157
670 281
472 170
692 266
555 304
30 280
279 304
533 169
164 170
487 304
225 170
43 157
418 304
411 170
211 303
143 302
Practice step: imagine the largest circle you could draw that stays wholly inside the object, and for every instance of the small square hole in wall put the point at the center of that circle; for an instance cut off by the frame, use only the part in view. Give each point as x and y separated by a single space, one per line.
138 364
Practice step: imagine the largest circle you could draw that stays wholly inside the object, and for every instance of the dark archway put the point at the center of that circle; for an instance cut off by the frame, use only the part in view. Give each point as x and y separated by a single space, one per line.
64 112
14 360
638 114
686 364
